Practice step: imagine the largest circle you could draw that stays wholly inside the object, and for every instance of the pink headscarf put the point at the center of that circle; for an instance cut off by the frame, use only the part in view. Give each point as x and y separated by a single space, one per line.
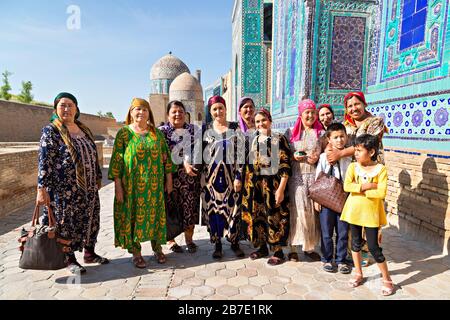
298 126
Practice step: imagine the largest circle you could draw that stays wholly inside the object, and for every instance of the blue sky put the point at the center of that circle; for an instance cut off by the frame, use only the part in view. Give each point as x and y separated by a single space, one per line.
107 61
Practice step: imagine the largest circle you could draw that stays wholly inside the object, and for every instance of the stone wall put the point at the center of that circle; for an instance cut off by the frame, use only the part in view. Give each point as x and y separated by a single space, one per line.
18 175
23 122
418 199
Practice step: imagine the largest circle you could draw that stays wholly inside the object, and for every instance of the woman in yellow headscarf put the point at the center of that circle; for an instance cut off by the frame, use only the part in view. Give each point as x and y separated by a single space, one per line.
140 166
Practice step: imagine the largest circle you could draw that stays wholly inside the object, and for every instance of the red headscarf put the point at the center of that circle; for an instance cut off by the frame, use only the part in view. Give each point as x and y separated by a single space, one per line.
298 126
216 99
347 97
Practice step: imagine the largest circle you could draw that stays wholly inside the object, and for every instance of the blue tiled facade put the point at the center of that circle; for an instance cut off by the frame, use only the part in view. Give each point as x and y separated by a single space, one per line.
400 55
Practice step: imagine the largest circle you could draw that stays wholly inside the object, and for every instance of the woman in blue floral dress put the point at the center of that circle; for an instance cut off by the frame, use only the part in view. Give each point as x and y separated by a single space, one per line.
69 177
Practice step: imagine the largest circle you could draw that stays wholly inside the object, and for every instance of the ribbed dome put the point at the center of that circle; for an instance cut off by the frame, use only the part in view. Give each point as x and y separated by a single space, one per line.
168 67
186 86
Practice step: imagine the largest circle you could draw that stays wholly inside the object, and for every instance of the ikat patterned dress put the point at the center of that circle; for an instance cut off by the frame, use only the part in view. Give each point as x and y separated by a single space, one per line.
77 212
187 188
225 155
141 162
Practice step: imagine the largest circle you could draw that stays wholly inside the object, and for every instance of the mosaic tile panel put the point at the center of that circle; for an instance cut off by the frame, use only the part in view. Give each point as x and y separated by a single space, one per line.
252 27
414 34
289 56
418 121
328 11
252 67
253 4
347 54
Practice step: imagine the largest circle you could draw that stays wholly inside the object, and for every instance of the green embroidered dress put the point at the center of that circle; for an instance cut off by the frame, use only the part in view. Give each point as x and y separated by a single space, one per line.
141 162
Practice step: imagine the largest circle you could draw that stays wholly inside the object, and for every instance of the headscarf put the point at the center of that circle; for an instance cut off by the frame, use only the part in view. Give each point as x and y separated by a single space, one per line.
68 96
65 135
298 126
265 112
348 96
138 102
216 99
242 123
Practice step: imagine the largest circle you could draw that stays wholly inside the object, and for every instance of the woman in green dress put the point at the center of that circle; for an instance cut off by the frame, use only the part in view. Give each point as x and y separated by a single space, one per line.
140 166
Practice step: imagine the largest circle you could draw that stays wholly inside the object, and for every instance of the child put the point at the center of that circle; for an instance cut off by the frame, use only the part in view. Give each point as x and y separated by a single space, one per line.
366 180
329 219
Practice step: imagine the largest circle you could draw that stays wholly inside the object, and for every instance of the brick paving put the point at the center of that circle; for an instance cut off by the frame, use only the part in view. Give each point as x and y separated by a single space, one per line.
418 271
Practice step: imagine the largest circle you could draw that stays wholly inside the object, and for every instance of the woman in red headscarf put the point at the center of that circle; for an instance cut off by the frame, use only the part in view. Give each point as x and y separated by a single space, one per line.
223 156
304 140
358 121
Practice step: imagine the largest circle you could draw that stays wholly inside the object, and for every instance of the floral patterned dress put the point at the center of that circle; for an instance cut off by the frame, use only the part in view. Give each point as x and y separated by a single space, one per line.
187 188
305 224
264 222
141 162
220 204
77 212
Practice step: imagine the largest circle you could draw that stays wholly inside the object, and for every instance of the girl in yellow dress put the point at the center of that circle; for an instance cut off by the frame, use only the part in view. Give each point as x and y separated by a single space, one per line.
366 181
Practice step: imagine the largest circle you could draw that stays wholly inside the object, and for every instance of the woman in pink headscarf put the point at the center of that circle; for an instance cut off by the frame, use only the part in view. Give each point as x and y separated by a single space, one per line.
304 143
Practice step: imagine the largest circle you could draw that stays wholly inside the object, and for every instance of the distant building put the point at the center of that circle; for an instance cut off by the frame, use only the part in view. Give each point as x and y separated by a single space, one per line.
171 80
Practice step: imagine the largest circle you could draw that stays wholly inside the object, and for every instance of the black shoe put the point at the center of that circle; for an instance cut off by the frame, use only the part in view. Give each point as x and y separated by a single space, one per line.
237 251
314 256
217 254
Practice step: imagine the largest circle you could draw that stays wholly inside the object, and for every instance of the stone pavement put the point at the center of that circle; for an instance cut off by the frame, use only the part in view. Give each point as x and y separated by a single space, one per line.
418 272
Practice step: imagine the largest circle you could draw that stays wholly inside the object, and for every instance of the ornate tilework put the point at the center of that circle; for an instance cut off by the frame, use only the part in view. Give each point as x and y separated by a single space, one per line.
252 66
414 35
252 27
347 55
289 56
330 9
421 119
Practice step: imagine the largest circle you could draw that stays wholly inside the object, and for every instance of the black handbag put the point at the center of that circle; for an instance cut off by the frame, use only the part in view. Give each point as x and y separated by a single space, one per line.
41 247
328 191
174 217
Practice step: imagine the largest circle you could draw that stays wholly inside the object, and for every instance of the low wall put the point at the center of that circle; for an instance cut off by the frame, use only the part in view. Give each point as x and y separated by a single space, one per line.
18 175
34 118
418 198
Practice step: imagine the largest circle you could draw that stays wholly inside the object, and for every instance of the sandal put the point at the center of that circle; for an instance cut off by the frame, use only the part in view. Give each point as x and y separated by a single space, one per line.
160 257
139 262
273 261
75 267
176 248
191 247
293 256
95 258
258 254
385 290
237 251
356 281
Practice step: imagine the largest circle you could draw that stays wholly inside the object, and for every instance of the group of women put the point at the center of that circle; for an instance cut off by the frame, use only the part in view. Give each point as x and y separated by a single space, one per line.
248 181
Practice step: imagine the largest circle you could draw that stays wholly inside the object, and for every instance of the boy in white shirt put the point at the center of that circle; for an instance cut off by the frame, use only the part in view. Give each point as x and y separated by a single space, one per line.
329 219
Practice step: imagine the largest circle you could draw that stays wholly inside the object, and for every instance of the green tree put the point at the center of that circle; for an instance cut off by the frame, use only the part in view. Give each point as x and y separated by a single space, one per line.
109 115
26 96
6 88
100 114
